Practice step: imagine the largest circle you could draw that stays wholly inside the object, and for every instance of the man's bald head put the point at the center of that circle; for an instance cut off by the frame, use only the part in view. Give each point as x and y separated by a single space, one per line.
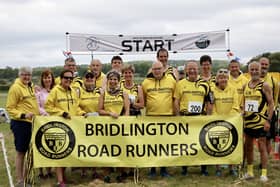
264 62
192 70
96 66
157 69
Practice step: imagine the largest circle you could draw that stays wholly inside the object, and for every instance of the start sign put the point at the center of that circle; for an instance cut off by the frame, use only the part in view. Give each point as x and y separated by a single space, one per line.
146 43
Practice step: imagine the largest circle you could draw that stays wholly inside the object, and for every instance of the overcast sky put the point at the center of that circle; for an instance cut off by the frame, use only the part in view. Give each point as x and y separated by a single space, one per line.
33 31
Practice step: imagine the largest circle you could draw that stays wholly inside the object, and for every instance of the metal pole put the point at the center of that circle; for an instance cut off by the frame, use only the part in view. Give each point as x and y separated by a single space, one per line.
91 55
67 41
228 44
228 39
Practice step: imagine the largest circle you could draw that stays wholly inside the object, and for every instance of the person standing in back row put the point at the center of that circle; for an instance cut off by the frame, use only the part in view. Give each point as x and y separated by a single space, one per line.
206 70
162 57
116 65
77 82
266 77
237 80
96 67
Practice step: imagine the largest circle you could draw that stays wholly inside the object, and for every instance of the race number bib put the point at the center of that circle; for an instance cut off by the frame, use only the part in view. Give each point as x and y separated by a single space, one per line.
195 107
251 106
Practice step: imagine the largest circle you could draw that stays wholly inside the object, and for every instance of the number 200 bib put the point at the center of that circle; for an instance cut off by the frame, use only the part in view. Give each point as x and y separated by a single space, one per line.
195 107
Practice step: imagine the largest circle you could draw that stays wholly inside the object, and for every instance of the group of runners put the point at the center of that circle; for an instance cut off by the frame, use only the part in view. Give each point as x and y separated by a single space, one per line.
166 91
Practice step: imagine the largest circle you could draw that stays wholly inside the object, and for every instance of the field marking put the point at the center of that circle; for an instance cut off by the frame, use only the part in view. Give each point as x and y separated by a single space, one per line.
6 160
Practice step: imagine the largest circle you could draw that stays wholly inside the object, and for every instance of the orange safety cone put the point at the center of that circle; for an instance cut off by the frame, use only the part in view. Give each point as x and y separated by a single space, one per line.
276 147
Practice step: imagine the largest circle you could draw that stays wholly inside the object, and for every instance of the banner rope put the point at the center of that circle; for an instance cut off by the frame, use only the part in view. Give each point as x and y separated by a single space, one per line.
136 175
30 174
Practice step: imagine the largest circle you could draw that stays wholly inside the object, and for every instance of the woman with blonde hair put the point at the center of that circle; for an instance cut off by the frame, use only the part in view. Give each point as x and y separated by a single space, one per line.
226 102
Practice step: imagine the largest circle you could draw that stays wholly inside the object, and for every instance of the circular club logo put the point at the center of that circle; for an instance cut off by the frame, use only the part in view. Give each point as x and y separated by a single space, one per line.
55 140
218 138
203 42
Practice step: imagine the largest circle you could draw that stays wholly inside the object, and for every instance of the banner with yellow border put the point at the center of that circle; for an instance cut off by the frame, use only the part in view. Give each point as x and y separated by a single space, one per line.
137 141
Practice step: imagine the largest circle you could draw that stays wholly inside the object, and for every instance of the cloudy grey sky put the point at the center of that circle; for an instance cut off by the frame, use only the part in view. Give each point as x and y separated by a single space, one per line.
33 31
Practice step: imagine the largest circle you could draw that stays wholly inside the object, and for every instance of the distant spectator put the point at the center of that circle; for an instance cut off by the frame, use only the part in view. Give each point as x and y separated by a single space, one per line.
181 72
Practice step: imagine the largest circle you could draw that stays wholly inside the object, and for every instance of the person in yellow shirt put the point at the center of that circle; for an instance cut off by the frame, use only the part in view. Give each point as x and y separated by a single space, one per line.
89 97
258 111
225 95
193 96
116 65
205 62
273 84
63 101
225 103
22 107
158 92
237 79
135 94
162 57
77 82
113 102
134 91
96 67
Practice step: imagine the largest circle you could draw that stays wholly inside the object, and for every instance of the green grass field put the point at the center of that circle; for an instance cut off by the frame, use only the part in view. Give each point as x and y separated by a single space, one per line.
177 180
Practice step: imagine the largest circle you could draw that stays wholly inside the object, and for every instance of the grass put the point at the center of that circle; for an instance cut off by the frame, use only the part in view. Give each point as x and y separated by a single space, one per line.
192 180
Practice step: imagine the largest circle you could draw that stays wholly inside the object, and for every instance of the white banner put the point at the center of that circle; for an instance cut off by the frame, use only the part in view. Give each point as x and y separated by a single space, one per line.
214 41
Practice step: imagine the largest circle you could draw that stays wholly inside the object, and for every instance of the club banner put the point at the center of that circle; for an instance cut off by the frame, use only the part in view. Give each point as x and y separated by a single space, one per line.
137 141
215 40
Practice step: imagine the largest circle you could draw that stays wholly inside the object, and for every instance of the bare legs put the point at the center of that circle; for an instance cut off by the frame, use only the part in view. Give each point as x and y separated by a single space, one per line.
20 171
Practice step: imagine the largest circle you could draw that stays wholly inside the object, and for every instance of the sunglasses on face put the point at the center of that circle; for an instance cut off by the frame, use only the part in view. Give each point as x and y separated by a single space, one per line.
223 71
156 69
68 78
89 76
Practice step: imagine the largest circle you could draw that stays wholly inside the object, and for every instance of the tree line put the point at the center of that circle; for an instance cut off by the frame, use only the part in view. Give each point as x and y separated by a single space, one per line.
8 74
